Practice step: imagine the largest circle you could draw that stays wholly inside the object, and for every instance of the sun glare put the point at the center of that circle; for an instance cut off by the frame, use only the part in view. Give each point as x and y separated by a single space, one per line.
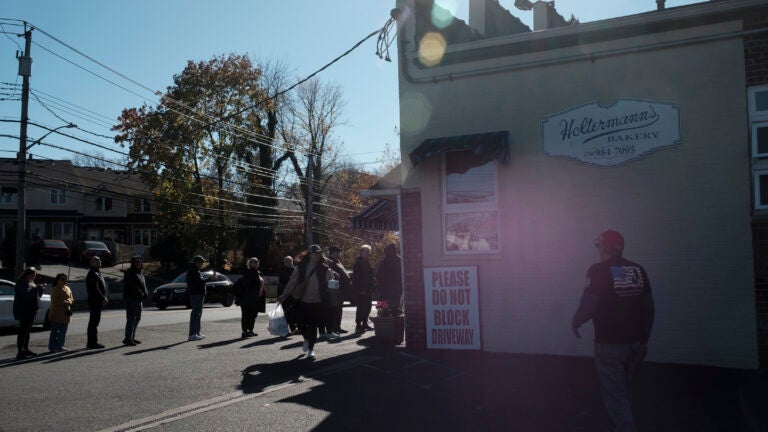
419 109
443 12
431 49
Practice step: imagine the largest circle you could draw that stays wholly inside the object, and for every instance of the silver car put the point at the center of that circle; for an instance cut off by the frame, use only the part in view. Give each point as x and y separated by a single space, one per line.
7 289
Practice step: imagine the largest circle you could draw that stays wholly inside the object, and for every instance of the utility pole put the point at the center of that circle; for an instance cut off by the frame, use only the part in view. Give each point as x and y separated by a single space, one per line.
25 70
310 200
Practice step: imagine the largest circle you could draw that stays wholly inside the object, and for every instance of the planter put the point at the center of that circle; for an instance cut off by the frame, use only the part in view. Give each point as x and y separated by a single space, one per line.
389 330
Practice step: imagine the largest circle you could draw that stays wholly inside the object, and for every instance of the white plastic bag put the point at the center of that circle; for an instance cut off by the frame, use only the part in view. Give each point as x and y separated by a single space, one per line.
278 325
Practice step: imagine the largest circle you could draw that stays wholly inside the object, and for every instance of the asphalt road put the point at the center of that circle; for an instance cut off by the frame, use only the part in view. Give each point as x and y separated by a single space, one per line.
221 383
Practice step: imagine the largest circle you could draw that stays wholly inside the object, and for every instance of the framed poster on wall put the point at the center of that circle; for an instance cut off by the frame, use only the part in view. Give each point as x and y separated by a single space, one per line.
452 308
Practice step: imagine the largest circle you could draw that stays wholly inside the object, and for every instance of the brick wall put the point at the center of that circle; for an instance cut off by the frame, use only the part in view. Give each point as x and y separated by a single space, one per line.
415 324
756 66
756 51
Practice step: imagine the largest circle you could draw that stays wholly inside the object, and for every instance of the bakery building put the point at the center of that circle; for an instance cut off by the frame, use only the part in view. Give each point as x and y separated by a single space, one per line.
519 146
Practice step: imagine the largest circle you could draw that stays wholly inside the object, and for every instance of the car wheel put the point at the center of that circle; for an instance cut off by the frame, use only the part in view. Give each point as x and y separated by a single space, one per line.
161 306
47 323
228 300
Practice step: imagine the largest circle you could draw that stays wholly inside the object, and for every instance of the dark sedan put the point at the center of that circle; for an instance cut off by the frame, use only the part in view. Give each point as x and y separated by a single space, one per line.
54 250
218 290
91 248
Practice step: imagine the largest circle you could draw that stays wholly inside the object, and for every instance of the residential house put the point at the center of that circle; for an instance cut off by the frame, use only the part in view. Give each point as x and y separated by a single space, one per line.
75 203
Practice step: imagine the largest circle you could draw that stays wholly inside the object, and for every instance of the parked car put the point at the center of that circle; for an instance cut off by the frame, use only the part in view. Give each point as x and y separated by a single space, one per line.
7 289
90 248
54 250
218 290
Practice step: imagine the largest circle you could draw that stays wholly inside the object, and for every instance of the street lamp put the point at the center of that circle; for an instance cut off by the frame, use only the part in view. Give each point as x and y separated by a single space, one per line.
21 224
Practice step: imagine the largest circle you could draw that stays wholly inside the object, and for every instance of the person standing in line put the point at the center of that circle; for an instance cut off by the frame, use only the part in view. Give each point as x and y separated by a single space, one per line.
97 298
388 277
60 313
311 276
288 308
618 300
345 286
251 297
25 306
196 292
134 292
363 285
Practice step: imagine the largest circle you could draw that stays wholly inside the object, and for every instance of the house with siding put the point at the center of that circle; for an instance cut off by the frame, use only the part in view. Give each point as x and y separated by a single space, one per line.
74 203
519 146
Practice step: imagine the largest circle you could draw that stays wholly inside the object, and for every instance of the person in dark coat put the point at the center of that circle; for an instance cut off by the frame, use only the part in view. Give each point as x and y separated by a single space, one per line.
363 285
134 292
345 287
251 297
388 277
97 298
25 305
288 307
196 293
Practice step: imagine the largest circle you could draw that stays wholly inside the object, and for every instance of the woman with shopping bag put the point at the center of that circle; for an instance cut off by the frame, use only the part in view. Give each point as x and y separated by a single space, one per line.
308 287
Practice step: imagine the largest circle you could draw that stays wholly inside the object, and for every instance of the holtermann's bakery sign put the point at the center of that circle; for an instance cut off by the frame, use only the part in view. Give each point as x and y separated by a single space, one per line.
452 310
612 135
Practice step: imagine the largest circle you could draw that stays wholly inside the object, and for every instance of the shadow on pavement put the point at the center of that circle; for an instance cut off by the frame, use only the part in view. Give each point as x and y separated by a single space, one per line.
219 343
84 352
370 389
158 348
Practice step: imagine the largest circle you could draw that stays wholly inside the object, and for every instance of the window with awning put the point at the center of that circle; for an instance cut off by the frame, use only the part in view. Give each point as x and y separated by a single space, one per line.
484 146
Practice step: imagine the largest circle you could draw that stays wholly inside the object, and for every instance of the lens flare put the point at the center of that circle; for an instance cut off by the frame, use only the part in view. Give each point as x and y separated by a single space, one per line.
415 112
443 12
431 49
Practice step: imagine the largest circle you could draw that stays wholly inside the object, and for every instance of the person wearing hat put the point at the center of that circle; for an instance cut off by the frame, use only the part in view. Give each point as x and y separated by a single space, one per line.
25 305
310 280
345 286
134 292
196 293
97 298
618 300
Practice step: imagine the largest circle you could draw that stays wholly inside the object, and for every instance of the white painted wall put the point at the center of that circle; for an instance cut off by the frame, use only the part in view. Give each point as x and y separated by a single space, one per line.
685 212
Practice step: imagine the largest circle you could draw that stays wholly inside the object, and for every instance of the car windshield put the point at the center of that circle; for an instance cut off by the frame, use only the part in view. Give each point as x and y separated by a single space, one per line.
5 290
54 243
95 245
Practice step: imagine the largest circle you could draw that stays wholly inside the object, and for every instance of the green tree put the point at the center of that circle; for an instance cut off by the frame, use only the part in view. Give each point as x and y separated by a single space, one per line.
189 147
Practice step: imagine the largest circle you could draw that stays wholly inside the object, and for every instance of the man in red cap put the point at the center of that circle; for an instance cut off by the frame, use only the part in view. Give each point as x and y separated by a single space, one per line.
618 300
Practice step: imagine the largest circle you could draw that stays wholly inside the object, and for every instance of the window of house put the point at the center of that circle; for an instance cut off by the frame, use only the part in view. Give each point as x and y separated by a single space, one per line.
6 229
8 195
58 196
470 209
62 231
142 205
760 139
142 236
758 135
103 204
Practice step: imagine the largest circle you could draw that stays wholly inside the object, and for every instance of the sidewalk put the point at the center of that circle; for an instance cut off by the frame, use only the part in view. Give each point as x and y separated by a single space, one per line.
551 393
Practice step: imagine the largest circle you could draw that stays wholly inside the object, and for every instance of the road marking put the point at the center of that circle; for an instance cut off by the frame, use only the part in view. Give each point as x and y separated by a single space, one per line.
203 406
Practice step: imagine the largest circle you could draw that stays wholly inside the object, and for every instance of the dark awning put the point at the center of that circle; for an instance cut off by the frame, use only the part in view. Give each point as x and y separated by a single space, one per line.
489 146
380 216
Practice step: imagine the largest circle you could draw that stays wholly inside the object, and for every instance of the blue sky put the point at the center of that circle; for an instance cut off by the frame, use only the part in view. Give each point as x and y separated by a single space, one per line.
149 41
